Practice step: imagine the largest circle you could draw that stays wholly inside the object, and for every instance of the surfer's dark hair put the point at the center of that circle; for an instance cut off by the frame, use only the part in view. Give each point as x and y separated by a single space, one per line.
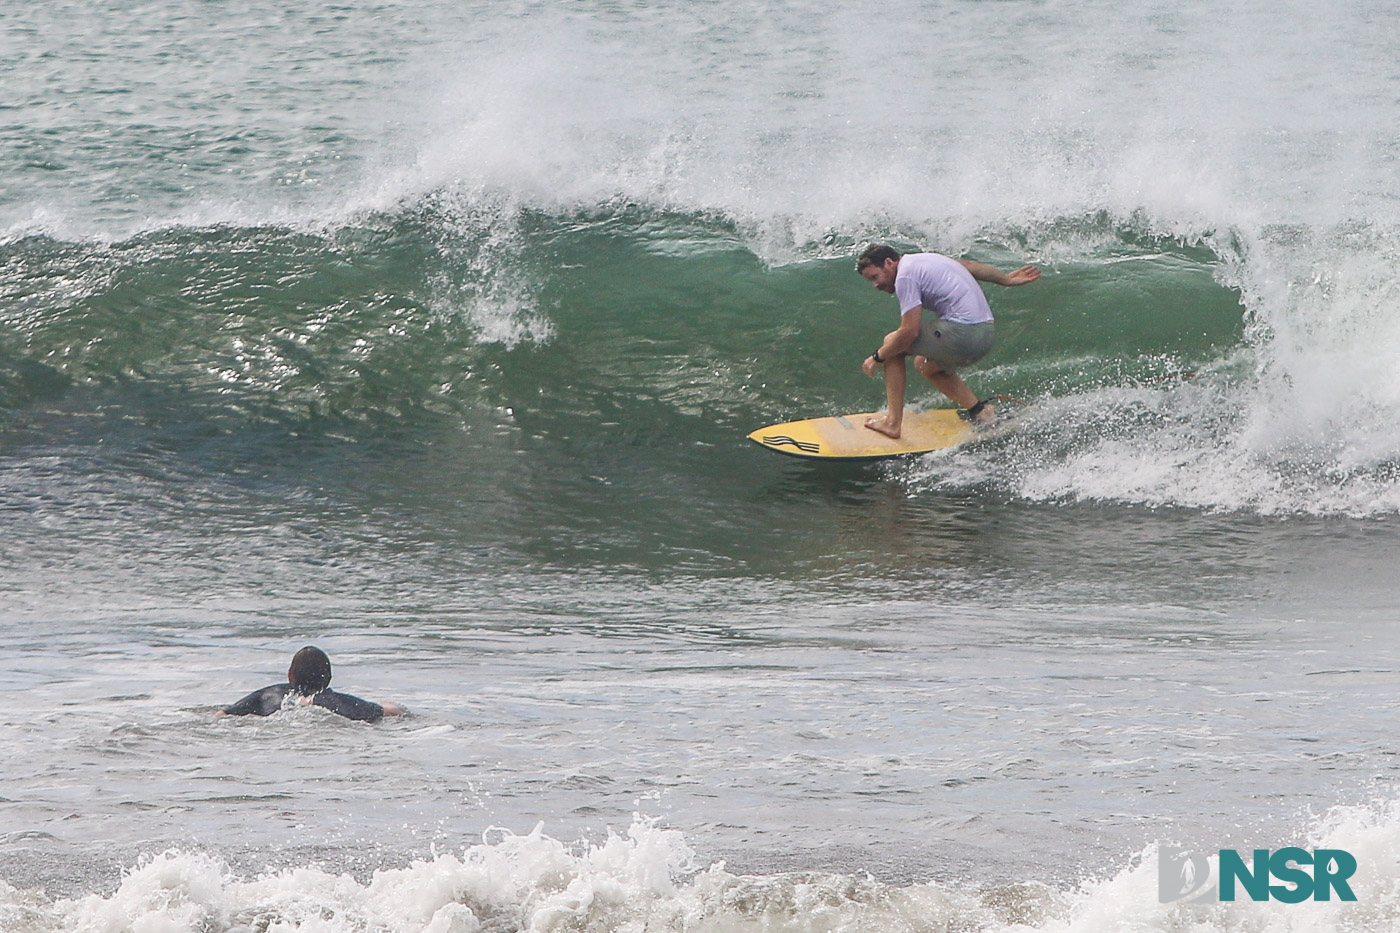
876 255
310 671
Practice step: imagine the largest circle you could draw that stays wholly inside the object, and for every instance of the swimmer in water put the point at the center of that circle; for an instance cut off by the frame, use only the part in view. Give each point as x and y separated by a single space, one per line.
309 680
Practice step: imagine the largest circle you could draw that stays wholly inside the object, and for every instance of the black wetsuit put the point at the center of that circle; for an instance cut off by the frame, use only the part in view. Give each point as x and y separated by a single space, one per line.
268 700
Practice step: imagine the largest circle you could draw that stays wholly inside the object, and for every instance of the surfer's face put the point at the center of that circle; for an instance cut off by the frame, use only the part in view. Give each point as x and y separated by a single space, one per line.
882 276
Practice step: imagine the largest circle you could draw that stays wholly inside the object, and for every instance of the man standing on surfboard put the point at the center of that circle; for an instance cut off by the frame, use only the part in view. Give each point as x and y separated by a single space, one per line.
945 324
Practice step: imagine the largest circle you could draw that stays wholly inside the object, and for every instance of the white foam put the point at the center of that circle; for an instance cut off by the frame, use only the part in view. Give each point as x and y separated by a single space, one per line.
1127 901
648 880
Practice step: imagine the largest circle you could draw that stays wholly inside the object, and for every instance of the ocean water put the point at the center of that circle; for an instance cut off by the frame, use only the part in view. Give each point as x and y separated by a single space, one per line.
429 333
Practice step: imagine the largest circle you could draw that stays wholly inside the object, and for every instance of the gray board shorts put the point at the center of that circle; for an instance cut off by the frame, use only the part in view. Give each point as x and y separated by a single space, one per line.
952 345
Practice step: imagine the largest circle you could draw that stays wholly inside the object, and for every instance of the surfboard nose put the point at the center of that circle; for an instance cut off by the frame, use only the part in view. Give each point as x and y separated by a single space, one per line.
777 440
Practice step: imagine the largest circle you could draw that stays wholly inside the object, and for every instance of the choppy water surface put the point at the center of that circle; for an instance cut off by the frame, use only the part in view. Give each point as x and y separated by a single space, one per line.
431 334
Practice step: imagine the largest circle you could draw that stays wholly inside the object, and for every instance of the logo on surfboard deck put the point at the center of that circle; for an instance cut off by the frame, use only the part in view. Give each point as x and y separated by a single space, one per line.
780 440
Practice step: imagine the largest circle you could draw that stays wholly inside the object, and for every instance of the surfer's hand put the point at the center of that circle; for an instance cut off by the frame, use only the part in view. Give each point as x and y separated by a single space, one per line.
870 366
1021 276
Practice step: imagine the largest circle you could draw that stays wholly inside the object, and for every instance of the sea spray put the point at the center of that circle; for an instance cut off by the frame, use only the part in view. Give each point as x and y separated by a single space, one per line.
647 879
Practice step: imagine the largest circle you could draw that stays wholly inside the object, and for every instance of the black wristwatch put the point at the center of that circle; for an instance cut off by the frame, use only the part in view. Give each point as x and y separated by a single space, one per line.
876 356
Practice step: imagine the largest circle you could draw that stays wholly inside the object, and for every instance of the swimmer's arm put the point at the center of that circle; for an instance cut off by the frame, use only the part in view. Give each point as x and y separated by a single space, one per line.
262 702
251 705
352 707
985 273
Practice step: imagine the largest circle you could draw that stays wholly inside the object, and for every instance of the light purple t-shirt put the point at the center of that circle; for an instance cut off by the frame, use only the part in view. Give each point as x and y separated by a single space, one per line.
942 285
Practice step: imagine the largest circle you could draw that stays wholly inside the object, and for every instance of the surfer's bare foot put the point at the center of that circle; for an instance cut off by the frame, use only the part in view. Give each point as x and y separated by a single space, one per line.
883 426
987 415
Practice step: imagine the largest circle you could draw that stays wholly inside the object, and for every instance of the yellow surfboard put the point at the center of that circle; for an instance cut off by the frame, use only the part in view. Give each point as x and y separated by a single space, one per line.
845 437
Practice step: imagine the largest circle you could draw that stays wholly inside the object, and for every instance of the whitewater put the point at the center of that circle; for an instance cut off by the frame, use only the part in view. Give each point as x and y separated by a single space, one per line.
429 333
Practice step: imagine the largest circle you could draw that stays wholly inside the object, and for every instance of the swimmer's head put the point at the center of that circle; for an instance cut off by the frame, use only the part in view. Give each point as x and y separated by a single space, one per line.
310 671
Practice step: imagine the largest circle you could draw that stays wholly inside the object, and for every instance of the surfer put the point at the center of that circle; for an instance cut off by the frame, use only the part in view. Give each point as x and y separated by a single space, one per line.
309 680
945 324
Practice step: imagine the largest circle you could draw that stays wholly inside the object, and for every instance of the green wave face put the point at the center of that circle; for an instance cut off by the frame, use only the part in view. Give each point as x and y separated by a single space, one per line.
576 388
569 317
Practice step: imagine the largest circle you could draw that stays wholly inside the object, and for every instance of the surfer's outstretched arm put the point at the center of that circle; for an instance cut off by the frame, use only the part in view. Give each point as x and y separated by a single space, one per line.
985 273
